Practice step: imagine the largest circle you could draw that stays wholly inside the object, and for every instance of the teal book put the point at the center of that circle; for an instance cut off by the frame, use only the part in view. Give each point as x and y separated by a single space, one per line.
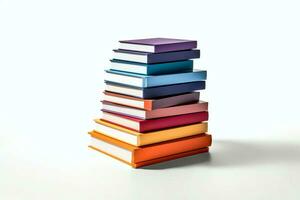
145 81
152 69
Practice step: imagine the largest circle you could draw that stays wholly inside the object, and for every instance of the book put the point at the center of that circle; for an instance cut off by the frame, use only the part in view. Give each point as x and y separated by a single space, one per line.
152 69
142 126
151 104
157 45
150 154
140 139
157 160
155 92
145 57
144 81
157 113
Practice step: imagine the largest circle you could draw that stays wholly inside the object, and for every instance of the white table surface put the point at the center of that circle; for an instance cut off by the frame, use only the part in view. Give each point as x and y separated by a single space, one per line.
32 168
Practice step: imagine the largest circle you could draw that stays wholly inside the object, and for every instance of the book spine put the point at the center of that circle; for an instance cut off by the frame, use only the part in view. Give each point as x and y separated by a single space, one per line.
176 100
176 47
169 122
168 90
171 148
171 157
153 81
169 68
172 56
175 133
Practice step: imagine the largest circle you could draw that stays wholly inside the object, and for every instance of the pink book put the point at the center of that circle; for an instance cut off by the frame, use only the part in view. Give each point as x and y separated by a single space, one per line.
157 113
146 125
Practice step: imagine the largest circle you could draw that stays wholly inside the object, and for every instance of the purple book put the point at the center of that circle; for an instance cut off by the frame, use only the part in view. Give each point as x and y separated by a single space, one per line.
157 45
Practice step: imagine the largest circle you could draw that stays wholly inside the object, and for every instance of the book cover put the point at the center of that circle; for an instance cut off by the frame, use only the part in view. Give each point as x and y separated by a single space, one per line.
144 57
142 126
151 104
135 156
140 139
154 92
144 81
152 69
158 45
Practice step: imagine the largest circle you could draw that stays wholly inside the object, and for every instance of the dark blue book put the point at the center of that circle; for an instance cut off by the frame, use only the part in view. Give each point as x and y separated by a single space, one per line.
145 57
154 92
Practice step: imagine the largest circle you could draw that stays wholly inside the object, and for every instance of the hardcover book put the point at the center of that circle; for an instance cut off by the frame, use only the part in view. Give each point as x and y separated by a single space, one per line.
143 81
150 154
140 139
151 104
152 69
142 126
157 113
144 57
155 92
158 45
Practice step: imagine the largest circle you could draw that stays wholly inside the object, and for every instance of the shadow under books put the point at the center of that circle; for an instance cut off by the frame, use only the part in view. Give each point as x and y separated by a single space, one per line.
225 153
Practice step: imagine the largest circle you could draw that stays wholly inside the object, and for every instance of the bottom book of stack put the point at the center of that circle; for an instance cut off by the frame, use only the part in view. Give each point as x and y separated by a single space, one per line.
139 156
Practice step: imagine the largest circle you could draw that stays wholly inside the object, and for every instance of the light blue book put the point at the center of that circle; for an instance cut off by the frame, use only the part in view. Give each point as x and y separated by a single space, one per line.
144 81
152 69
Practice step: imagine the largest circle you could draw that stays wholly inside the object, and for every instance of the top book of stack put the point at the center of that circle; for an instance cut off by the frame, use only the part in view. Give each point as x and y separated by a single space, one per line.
158 45
156 50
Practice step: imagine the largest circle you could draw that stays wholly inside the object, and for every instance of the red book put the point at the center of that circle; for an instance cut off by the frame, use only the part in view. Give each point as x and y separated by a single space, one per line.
147 125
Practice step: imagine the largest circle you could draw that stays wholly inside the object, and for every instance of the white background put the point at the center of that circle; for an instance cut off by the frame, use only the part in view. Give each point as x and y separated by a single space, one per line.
52 56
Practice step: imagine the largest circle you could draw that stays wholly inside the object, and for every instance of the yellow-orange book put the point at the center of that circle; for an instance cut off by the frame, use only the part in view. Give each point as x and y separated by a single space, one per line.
150 154
139 139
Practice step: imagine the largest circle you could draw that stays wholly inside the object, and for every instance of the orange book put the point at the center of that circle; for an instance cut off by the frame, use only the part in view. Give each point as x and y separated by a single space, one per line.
150 154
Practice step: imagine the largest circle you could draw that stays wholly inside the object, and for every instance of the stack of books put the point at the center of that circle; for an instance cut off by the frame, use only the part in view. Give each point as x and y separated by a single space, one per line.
151 110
